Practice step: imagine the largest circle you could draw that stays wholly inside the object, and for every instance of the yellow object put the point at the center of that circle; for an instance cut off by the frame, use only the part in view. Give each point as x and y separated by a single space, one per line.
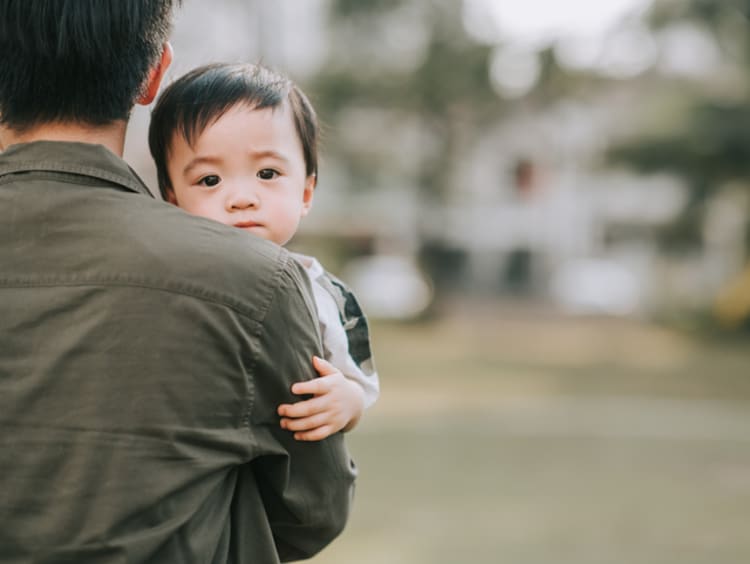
732 306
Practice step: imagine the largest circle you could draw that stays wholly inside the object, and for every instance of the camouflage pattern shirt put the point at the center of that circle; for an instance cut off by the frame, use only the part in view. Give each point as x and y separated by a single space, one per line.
343 326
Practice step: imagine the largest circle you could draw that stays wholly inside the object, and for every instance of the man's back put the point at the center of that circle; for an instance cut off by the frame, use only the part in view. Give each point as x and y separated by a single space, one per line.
143 354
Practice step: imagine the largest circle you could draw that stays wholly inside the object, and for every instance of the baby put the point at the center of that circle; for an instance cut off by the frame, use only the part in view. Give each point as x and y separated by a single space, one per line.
237 143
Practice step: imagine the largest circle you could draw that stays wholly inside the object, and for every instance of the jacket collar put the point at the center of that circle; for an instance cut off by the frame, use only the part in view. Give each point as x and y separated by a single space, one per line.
95 161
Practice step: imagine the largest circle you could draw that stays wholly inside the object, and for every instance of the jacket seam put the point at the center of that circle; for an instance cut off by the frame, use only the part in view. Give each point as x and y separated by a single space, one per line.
283 261
219 300
79 170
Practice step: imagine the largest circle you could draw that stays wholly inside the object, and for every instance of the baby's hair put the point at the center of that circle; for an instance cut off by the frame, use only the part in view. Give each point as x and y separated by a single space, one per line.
202 96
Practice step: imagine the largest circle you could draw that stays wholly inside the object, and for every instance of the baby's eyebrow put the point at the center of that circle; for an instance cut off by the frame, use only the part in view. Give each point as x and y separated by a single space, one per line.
199 161
268 153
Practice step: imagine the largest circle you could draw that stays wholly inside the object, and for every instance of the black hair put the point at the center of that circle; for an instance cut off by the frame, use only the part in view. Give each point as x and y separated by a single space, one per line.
83 61
202 96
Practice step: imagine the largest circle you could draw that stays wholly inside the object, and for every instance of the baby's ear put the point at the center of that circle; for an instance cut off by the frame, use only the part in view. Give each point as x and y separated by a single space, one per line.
171 198
307 195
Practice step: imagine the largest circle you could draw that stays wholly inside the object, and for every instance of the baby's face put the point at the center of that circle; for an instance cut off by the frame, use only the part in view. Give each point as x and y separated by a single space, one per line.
246 169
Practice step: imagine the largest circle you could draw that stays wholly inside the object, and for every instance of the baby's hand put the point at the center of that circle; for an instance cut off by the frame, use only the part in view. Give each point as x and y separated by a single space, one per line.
337 404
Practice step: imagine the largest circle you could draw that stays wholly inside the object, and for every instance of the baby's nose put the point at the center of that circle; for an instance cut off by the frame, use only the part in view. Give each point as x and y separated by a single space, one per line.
243 199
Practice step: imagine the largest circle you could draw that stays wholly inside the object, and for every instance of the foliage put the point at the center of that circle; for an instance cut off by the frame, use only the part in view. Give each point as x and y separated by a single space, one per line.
448 91
714 145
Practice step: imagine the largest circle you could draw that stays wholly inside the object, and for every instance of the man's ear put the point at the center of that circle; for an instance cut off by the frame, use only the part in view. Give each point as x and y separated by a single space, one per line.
307 195
155 76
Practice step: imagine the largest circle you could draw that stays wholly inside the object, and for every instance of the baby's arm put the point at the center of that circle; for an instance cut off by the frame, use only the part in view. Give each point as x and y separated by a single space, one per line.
336 405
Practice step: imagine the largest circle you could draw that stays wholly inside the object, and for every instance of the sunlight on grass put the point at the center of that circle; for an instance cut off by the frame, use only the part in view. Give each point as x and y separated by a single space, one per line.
503 438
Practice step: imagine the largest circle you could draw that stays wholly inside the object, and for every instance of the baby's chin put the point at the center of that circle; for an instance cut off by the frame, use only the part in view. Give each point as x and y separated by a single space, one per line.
263 232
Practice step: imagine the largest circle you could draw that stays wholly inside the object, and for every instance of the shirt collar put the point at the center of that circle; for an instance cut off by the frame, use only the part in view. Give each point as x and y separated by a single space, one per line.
75 158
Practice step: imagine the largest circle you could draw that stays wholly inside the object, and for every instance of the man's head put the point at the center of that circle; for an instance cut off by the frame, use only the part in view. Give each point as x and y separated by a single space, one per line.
78 61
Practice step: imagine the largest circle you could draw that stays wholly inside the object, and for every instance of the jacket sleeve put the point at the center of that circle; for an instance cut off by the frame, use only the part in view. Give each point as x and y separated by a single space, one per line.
306 487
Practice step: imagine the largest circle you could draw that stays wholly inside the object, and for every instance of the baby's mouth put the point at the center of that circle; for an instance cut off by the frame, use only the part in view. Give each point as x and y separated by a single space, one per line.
246 224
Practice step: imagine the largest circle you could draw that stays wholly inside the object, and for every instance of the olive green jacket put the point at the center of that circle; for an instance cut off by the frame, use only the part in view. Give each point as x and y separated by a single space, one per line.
143 354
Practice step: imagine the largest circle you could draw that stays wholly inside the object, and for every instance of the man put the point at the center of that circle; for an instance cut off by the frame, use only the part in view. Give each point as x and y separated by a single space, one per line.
143 351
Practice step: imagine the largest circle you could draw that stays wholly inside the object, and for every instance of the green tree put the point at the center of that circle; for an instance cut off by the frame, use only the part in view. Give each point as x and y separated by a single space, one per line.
448 89
712 145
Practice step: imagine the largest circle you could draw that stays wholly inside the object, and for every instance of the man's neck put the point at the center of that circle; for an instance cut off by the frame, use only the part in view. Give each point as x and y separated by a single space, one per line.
112 136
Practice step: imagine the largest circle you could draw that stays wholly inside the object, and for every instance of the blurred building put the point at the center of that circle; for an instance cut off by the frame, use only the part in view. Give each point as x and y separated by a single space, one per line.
517 202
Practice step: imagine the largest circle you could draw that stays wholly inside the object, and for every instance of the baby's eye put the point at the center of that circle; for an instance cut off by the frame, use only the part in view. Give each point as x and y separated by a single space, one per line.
210 180
267 174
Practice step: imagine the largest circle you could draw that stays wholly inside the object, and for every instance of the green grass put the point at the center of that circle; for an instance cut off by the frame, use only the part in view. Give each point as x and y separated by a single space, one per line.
507 435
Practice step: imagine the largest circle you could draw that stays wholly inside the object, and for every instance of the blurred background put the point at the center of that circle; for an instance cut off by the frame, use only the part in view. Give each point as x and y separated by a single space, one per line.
543 206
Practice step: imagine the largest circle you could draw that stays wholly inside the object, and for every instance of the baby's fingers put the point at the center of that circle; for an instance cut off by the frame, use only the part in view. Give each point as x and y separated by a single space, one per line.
316 434
304 423
302 408
323 367
315 387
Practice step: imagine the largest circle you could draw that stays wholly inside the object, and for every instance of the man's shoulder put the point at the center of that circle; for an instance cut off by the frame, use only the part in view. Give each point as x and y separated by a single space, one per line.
197 256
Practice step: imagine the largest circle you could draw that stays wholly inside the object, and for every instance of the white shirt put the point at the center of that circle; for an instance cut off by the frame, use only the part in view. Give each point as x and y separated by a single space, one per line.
343 327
